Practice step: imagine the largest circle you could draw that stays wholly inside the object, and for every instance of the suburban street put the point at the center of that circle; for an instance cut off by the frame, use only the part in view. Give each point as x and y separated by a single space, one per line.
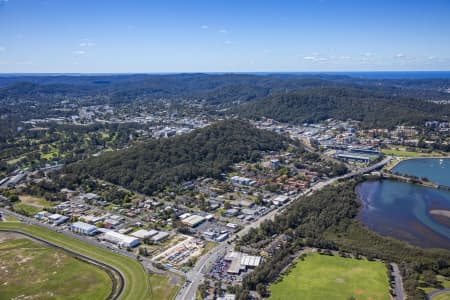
196 275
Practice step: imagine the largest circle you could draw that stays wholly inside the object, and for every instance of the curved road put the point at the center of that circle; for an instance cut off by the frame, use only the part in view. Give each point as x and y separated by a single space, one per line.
435 293
196 275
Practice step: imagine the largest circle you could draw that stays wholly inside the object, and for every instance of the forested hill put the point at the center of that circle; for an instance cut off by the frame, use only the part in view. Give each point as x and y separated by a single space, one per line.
317 104
208 152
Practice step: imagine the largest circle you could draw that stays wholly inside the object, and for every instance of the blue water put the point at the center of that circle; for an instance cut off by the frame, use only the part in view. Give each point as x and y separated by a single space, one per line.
436 170
402 210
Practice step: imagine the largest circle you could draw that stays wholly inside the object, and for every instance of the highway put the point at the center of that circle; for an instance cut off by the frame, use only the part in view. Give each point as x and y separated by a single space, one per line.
196 275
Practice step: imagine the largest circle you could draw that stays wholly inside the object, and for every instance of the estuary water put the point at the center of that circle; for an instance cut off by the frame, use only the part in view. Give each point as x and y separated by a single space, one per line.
416 214
435 169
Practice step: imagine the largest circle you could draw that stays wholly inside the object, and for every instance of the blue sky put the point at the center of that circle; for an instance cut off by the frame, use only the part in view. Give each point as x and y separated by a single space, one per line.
223 36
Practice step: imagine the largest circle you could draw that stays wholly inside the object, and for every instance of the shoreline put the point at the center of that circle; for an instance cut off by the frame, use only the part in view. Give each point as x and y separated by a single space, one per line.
398 159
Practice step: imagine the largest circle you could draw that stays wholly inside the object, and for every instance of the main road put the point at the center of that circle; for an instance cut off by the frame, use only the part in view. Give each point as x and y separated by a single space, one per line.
196 275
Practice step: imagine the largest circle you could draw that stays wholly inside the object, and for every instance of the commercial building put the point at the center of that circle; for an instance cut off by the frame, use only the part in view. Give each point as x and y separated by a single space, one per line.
143 234
121 240
193 220
83 228
353 157
160 236
241 262
242 180
280 200
222 237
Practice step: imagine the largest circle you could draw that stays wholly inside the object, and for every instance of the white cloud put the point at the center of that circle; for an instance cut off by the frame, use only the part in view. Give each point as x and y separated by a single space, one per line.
344 57
431 57
368 54
86 44
79 52
204 27
223 31
2 49
400 55
316 58
228 42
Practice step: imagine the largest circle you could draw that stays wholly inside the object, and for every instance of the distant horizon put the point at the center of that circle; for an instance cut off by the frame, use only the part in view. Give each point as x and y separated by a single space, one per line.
175 36
360 74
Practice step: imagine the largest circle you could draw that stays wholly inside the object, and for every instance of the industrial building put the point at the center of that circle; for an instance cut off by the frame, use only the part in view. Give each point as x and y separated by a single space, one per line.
121 240
241 262
280 200
160 236
143 234
83 228
193 220
354 157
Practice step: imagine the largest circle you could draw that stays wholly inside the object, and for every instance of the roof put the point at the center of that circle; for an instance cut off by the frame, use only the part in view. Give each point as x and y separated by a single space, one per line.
54 216
142 233
84 226
250 260
118 237
193 220
161 235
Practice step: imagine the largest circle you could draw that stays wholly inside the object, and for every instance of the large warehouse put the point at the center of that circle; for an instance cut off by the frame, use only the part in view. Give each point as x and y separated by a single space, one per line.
193 220
121 240
143 234
83 228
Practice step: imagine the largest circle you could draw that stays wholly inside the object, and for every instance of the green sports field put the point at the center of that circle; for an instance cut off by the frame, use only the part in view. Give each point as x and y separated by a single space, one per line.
137 284
332 277
34 271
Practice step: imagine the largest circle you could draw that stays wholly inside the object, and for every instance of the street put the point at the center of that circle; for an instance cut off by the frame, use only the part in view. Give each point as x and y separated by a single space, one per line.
196 275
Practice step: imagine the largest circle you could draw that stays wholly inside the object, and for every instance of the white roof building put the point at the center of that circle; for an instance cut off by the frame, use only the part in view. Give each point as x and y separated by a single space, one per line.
143 234
160 236
121 240
83 228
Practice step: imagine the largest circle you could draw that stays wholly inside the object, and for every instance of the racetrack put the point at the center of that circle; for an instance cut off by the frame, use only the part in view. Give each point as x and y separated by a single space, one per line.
135 279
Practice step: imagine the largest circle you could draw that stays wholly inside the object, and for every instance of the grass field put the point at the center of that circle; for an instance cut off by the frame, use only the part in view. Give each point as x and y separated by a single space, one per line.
35 201
161 287
333 277
26 209
404 153
137 284
10 219
30 270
